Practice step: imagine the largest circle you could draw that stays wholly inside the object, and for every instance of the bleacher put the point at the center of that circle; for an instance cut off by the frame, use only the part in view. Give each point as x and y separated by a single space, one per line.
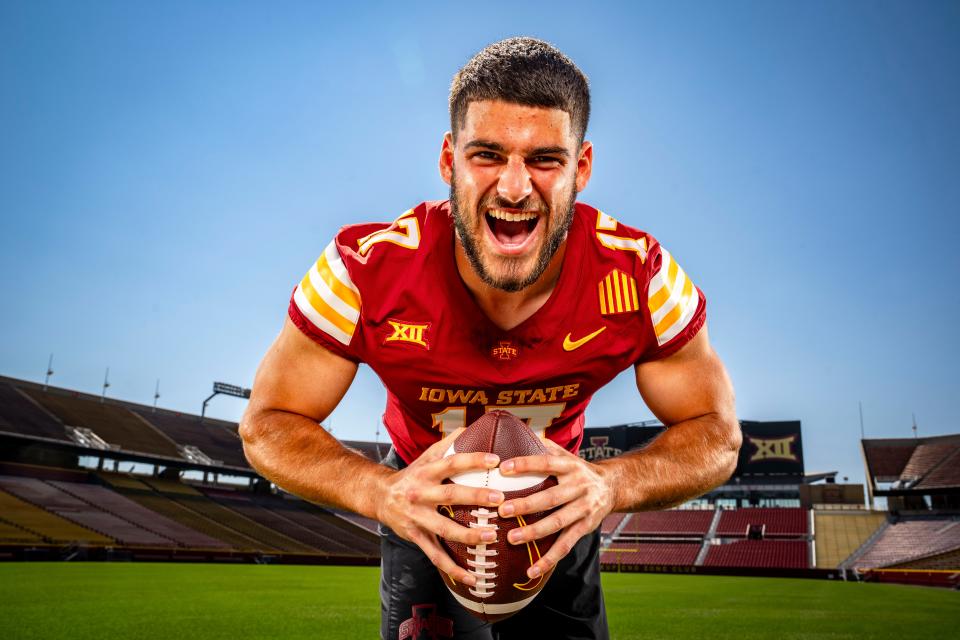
113 424
775 523
909 540
777 554
840 533
631 555
19 414
672 523
212 437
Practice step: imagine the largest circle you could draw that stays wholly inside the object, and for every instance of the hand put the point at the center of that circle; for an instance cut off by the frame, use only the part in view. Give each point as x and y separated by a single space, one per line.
583 493
409 499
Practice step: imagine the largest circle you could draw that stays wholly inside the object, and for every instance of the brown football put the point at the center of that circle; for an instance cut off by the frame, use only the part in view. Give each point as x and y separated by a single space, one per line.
503 587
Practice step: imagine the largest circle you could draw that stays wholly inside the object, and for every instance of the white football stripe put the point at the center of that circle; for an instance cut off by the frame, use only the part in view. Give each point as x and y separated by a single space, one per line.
691 307
318 320
493 479
332 299
493 609
338 268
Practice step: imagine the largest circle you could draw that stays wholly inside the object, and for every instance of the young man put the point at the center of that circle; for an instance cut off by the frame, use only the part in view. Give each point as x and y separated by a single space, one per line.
510 295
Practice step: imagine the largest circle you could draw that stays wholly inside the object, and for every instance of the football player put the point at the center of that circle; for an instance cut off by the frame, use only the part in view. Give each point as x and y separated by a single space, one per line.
509 295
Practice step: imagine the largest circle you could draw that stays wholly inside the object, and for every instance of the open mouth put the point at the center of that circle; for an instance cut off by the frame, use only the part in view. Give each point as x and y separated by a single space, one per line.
511 230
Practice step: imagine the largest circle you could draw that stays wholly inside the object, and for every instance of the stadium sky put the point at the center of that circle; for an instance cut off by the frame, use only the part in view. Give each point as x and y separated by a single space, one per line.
168 172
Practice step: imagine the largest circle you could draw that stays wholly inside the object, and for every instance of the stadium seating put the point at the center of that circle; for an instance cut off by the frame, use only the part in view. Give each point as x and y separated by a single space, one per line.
144 495
211 437
116 425
779 554
266 538
48 526
120 506
776 522
669 523
840 533
910 540
361 521
611 522
18 414
308 539
69 507
650 553
12 534
946 474
330 533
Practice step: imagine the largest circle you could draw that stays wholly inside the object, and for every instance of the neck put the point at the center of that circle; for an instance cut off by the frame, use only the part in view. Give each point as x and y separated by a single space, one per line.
508 309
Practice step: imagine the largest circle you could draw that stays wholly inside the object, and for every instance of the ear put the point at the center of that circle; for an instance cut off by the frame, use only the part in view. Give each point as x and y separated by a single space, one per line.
584 165
446 158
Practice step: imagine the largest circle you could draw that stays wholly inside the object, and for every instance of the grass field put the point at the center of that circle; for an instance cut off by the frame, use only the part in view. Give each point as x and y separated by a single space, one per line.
100 600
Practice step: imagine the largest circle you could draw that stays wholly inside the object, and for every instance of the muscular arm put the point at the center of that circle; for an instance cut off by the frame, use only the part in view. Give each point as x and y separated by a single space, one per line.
297 385
691 393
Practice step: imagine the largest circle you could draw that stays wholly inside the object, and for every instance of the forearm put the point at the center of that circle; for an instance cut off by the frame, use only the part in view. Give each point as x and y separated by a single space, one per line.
685 461
298 455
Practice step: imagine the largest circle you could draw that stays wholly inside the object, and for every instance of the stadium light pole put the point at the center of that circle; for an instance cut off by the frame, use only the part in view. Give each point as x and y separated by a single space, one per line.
106 383
225 389
46 380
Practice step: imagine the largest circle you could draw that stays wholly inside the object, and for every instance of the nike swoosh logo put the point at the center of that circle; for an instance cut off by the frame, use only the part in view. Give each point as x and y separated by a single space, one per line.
570 345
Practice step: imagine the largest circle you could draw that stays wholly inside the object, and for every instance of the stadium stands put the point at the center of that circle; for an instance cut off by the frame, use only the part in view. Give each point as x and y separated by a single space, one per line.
211 437
669 523
51 528
69 507
910 540
130 511
840 533
611 522
785 522
115 425
641 553
781 554
19 414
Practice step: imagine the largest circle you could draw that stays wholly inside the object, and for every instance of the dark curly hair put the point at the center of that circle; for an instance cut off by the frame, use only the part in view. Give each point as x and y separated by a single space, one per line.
523 71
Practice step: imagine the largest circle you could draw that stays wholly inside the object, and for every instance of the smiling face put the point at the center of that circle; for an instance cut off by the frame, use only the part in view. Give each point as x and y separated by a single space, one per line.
514 172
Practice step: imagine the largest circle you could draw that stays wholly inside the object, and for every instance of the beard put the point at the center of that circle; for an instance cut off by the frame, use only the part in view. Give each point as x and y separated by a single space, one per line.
511 277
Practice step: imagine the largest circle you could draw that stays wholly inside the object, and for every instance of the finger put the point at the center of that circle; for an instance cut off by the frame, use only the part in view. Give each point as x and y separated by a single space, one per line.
558 551
451 494
556 521
449 529
548 464
542 500
437 449
442 560
553 447
460 463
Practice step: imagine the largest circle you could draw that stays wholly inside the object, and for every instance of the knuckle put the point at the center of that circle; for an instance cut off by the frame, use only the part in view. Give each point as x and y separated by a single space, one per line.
557 521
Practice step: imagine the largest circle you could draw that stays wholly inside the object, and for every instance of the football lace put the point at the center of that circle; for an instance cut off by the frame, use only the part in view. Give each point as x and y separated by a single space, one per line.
481 566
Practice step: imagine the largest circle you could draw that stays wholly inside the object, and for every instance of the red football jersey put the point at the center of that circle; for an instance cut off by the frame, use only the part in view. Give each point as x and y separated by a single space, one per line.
390 295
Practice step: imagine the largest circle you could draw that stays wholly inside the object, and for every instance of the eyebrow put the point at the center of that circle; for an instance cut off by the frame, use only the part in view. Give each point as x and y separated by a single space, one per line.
499 148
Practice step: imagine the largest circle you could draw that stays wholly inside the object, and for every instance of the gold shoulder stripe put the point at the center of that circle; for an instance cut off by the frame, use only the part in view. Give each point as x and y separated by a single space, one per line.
672 299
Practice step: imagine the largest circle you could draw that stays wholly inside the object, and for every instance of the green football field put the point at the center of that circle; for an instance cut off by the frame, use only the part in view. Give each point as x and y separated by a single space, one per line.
182 601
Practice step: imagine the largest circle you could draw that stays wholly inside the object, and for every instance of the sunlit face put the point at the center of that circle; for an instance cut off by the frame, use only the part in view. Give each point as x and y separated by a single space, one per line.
514 173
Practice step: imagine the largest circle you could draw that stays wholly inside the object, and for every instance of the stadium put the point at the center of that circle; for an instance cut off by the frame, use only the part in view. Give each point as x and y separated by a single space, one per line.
109 495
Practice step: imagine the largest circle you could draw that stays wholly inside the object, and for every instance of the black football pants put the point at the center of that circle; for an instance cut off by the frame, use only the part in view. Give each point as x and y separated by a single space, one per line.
415 604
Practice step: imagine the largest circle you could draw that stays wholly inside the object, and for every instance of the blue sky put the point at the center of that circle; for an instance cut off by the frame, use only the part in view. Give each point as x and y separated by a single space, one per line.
168 172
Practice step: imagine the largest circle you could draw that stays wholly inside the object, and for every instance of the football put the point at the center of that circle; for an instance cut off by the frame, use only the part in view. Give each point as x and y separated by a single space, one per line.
500 567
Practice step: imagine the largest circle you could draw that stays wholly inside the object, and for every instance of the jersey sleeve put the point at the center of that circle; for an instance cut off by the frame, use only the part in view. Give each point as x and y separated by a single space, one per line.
675 307
326 305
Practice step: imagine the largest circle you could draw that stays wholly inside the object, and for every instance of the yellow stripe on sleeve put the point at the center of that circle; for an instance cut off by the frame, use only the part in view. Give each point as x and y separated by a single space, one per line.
339 289
324 309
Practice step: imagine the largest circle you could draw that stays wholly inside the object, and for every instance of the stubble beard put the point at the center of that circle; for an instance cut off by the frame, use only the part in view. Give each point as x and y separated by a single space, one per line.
512 279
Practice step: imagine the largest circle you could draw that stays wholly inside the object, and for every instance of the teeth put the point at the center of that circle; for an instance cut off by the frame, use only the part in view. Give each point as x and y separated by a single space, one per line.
511 217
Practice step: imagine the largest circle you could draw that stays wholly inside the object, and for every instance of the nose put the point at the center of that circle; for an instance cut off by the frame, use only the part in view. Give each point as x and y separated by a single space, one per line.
514 183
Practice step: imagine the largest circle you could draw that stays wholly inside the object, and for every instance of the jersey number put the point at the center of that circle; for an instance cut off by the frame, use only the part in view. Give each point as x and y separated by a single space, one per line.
537 416
405 231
